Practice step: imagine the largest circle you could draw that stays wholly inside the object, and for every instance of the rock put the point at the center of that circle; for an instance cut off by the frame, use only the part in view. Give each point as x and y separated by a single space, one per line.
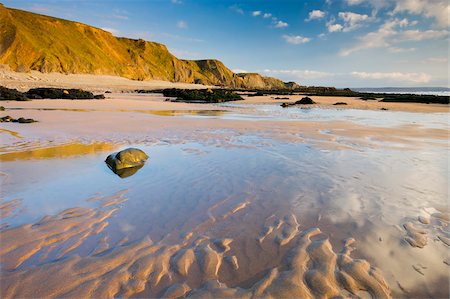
126 159
99 97
384 109
7 94
20 120
58 93
2 108
6 119
305 101
339 103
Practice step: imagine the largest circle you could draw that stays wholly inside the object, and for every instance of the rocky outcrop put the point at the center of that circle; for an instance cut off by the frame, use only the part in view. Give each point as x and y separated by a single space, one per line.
31 41
126 162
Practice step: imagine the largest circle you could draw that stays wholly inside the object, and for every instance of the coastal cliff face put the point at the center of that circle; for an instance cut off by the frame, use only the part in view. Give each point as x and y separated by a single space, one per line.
30 41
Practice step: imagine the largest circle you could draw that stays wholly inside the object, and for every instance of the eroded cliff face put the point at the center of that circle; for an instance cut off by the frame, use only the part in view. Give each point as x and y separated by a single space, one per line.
30 41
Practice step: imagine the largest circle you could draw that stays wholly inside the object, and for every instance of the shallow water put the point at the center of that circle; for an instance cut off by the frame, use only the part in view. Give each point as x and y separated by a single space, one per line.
359 116
233 212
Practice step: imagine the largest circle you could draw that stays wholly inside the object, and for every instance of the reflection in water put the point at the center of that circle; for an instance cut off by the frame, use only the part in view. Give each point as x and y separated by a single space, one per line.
240 215
126 172
60 151
206 113
12 133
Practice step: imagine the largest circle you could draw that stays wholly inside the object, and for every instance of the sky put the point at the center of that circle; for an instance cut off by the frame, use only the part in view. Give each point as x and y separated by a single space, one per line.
347 43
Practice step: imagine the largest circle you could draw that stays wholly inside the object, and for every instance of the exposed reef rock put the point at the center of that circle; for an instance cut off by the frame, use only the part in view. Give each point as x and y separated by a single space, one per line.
20 120
303 101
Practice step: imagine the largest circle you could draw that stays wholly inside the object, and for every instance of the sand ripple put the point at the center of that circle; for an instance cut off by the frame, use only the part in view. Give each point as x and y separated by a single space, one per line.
194 267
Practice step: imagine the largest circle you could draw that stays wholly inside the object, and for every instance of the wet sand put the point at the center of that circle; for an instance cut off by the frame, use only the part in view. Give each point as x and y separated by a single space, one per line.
240 200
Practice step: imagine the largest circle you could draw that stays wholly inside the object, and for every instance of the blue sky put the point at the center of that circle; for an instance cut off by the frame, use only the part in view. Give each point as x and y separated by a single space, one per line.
348 43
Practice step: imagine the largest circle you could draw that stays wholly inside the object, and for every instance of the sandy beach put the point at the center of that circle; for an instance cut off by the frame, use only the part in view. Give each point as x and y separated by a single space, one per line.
240 199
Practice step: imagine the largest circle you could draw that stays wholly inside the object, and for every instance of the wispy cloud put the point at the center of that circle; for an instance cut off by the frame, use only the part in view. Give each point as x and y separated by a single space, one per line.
120 14
182 24
443 60
436 9
112 30
185 54
392 32
349 22
238 71
396 76
352 20
176 1
298 74
296 39
401 50
276 23
237 9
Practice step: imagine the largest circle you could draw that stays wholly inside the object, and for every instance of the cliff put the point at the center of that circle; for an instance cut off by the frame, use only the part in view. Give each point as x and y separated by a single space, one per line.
30 41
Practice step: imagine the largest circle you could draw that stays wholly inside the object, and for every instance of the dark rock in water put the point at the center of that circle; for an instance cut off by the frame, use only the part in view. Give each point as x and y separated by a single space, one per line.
385 109
201 95
20 120
99 97
340 103
7 94
126 162
6 119
305 101
58 93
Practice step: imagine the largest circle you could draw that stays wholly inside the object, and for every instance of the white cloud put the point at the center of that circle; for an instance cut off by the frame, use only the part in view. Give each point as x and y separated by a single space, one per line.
401 50
239 71
437 9
315 15
111 30
417 35
334 27
182 24
267 15
298 74
395 76
352 20
296 39
439 60
354 2
391 33
256 13
281 24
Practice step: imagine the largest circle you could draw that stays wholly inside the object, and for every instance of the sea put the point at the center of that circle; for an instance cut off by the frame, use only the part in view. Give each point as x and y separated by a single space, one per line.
440 91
